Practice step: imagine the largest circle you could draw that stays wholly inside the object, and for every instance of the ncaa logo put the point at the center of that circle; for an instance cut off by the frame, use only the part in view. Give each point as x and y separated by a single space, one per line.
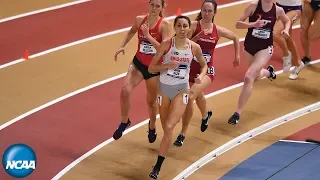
19 160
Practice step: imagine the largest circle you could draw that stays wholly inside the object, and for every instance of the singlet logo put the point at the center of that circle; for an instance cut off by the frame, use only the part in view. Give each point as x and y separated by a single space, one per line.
265 21
181 59
211 40
19 160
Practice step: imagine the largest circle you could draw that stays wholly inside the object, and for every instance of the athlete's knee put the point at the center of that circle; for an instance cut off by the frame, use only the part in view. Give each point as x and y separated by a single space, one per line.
304 29
192 95
168 128
200 98
126 91
249 78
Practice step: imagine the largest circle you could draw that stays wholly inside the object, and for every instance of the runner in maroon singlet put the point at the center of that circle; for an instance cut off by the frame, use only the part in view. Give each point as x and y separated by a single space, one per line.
152 29
258 45
205 33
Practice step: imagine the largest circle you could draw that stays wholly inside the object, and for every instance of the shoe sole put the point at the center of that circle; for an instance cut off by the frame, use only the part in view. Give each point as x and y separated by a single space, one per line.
177 145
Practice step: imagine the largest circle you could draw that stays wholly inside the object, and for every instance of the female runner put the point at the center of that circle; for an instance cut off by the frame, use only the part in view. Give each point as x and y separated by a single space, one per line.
309 33
173 98
258 45
293 9
152 30
205 33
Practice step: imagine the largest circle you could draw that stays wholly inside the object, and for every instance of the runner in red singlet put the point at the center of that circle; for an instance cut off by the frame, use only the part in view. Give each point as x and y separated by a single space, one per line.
205 33
152 30
258 45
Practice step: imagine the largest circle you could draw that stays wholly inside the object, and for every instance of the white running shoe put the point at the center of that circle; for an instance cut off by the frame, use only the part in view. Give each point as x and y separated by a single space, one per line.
295 72
287 62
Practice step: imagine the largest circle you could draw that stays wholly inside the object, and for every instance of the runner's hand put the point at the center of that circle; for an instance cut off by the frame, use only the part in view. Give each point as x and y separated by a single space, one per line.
121 49
174 65
285 34
145 29
258 23
236 61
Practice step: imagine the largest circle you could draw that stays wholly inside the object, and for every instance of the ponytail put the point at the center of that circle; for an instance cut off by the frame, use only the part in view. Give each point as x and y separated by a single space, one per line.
160 14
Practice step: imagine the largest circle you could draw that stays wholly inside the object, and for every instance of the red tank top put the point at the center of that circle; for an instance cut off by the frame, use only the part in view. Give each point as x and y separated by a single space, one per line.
146 51
207 43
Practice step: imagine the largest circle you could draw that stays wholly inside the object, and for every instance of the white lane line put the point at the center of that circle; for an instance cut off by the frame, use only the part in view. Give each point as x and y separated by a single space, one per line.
292 141
108 34
43 10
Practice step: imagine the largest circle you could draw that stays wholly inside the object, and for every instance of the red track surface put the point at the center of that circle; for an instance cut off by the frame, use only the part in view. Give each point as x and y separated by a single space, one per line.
54 28
311 132
63 132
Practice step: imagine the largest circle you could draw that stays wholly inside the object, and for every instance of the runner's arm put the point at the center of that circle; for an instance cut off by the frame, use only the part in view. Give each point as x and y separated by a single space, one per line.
131 32
284 18
165 33
226 33
241 24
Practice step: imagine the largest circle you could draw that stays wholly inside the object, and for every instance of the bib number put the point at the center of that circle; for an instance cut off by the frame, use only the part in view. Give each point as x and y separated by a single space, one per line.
210 71
179 72
147 48
261 33
206 56
270 50
159 100
185 99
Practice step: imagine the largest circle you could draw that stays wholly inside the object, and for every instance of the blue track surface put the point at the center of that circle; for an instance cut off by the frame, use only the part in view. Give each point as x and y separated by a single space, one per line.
282 160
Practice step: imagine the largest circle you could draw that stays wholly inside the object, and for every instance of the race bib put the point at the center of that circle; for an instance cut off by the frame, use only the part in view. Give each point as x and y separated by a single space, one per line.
147 48
207 57
179 72
261 33
210 70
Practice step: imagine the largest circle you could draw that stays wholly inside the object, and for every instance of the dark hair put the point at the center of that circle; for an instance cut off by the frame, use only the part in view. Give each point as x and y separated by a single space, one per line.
163 3
214 3
182 17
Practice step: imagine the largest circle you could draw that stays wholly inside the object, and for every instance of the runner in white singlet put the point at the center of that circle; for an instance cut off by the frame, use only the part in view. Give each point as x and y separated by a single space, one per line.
177 54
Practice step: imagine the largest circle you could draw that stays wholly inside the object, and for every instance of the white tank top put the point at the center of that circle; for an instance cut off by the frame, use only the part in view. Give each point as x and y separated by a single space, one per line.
179 75
290 2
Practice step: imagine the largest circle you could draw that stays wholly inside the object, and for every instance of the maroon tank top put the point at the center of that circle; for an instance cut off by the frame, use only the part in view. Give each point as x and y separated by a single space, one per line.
262 36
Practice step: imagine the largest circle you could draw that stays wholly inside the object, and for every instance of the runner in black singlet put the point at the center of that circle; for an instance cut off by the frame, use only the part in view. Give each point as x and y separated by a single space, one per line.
258 45
309 33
